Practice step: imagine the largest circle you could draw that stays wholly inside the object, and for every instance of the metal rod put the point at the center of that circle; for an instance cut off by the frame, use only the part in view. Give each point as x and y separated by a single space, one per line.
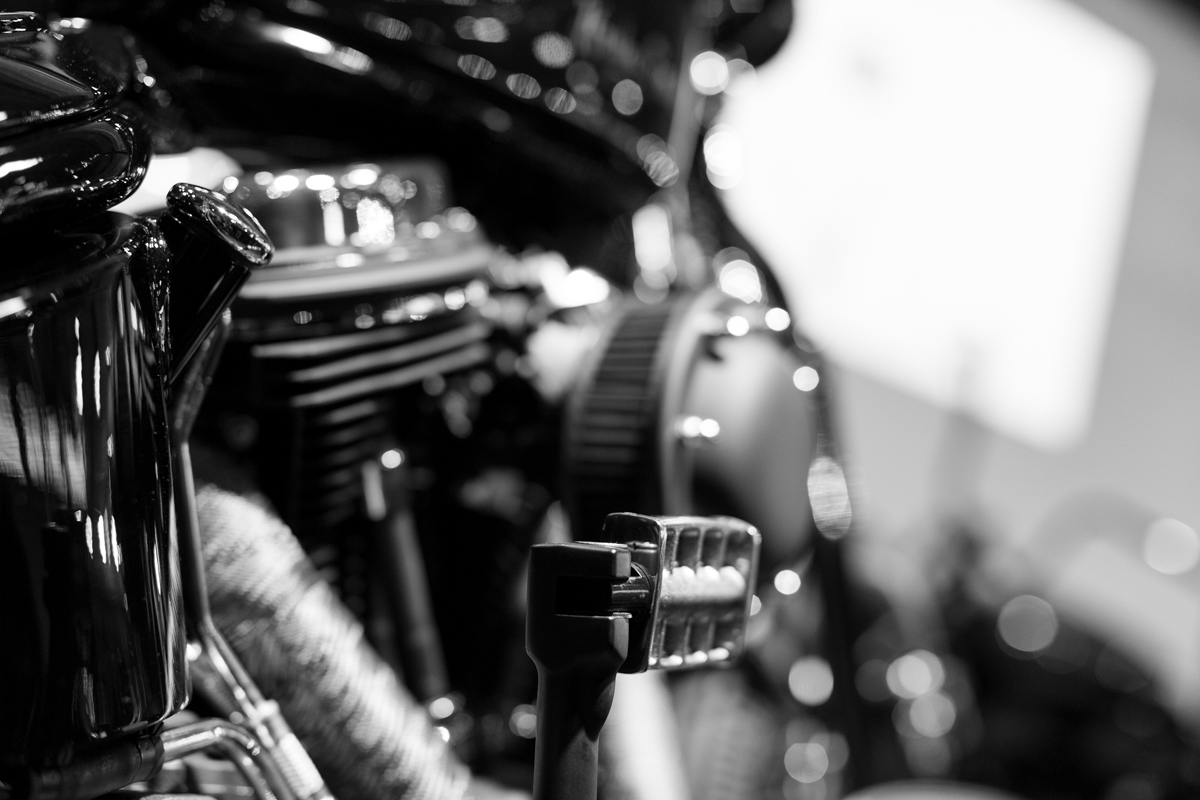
385 489
238 745
567 747
201 628
238 697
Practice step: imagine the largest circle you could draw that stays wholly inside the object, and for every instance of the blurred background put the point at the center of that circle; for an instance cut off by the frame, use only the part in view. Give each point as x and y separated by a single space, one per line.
986 213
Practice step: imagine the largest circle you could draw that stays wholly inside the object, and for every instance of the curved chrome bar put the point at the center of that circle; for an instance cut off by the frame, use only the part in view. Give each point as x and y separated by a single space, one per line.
239 745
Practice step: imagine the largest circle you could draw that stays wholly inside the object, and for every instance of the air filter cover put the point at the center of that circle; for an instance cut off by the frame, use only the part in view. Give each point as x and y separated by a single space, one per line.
689 407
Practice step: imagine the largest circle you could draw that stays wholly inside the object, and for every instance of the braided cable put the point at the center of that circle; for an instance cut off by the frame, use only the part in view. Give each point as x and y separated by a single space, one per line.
368 737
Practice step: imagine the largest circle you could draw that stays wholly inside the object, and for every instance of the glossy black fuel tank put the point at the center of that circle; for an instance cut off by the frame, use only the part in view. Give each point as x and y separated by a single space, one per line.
91 627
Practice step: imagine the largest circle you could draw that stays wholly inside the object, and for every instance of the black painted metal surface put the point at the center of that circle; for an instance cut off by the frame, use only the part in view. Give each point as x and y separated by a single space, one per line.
89 579
69 147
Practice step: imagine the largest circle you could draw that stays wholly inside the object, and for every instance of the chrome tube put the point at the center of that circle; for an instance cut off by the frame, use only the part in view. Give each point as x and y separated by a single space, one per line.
227 684
367 734
239 746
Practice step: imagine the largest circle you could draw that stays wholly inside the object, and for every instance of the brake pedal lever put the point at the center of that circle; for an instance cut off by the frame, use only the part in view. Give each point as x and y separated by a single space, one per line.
662 593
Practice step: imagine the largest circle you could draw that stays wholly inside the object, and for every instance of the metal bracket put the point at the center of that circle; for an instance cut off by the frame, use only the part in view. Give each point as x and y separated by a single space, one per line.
666 593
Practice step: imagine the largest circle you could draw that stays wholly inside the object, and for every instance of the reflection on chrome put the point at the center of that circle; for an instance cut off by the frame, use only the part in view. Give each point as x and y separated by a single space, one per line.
829 496
523 86
560 101
477 67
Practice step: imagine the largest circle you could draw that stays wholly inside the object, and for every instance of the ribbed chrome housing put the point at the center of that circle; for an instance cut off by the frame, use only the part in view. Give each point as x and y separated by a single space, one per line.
377 286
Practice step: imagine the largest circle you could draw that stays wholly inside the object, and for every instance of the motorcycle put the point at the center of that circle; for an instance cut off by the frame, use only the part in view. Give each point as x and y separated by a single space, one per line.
420 393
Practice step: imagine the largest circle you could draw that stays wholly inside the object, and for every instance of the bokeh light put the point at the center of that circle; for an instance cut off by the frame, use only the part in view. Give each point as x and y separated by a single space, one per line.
787 581
1171 547
806 379
810 680
709 73
1027 624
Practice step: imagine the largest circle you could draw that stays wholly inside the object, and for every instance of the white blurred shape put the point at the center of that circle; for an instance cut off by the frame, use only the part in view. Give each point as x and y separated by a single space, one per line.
201 166
441 707
13 305
286 183
376 225
523 721
577 287
806 379
737 326
740 279
742 78
807 762
944 187
778 319
550 267
932 714
553 49
627 97
723 158
916 673
652 237
299 38
709 73
1171 547
1027 623
362 176
333 224
319 182
811 681
689 427
558 354
651 287
787 582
